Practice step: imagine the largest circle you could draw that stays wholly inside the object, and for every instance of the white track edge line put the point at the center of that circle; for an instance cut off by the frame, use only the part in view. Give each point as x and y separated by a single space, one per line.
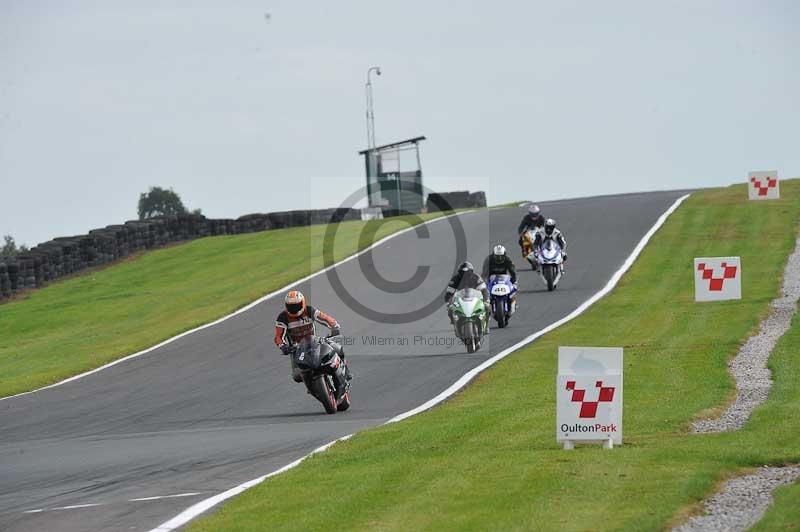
239 311
76 506
161 497
203 506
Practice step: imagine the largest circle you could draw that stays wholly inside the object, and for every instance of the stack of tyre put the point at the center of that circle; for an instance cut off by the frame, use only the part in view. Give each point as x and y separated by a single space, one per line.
5 281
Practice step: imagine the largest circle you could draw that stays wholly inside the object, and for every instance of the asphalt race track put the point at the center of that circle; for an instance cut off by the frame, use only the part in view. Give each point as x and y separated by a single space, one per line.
217 408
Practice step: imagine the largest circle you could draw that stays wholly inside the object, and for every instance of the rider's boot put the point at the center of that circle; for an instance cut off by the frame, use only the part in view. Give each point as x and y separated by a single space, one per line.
513 306
347 374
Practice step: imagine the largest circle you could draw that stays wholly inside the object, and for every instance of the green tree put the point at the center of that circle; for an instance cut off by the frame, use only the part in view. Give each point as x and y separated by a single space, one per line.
9 248
158 202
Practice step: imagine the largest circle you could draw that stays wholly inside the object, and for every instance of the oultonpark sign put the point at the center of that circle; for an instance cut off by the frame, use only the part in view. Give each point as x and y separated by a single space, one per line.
589 396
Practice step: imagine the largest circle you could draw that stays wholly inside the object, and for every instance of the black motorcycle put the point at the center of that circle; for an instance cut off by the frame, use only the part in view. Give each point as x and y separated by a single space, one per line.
323 373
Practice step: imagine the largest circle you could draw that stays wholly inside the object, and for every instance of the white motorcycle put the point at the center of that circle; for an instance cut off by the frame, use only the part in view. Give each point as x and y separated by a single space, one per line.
551 263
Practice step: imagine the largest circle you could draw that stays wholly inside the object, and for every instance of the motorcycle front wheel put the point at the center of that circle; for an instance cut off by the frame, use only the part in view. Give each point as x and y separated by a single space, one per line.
549 276
323 391
500 314
472 345
474 340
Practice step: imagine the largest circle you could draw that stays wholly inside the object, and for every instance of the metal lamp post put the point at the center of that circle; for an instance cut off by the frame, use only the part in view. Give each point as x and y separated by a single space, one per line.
370 108
372 162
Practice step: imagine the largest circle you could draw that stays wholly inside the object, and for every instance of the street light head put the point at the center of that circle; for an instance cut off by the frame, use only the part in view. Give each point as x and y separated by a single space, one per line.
378 71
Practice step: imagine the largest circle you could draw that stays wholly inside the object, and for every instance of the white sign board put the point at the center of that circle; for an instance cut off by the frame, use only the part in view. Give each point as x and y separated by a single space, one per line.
763 185
589 395
717 278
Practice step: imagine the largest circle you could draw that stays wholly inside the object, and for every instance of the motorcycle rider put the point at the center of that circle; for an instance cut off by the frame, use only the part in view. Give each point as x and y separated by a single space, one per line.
550 232
532 221
499 263
297 322
465 277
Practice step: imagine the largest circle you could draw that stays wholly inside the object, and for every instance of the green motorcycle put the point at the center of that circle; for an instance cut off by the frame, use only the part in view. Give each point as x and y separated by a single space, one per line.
470 319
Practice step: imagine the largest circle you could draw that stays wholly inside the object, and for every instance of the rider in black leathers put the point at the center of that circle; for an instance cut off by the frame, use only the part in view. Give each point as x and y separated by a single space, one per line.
465 277
499 263
531 222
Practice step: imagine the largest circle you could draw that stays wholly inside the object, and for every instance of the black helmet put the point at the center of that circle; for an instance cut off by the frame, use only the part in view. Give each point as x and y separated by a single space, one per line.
466 267
549 226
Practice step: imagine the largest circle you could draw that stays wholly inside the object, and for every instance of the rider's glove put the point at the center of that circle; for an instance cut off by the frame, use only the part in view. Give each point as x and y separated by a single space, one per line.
336 331
564 255
285 349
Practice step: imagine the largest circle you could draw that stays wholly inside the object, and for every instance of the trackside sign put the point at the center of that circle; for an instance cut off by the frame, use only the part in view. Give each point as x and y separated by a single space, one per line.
589 396
763 185
717 278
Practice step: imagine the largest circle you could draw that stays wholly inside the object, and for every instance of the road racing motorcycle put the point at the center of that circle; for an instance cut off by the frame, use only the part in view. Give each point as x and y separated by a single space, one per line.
551 263
323 373
470 319
501 292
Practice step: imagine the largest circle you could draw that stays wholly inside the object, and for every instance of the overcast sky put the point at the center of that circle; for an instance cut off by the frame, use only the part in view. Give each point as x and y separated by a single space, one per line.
242 113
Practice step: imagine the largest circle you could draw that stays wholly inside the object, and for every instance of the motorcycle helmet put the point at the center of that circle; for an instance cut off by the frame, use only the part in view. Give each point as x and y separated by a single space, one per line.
295 303
499 252
534 210
549 226
466 267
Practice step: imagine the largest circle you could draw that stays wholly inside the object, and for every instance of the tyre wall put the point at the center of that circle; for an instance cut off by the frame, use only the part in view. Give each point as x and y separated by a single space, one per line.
68 255
446 201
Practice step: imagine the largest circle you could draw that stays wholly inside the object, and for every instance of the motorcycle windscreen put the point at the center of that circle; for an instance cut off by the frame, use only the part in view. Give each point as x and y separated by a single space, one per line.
308 354
550 250
469 300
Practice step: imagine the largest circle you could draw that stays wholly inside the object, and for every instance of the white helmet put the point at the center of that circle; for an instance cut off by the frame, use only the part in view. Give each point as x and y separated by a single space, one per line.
533 209
549 226
499 250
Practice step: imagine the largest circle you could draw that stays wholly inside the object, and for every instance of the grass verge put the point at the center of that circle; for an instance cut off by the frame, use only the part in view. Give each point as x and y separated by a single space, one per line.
488 460
84 322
